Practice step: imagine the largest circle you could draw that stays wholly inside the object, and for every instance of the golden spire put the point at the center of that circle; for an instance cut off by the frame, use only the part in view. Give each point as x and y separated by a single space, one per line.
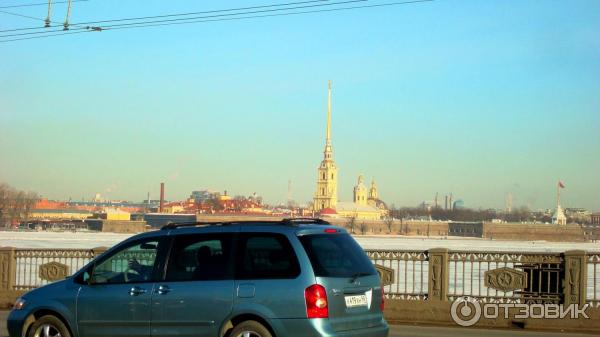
328 134
328 148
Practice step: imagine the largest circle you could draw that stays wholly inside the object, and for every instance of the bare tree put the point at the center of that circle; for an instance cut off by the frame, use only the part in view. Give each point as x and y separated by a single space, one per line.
362 228
389 223
15 205
31 198
351 224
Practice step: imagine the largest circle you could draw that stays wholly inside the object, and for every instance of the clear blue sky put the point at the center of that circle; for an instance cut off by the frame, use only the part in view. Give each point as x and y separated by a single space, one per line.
478 98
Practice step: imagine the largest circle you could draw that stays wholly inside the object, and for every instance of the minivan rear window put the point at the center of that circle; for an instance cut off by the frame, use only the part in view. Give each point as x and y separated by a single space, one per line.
336 255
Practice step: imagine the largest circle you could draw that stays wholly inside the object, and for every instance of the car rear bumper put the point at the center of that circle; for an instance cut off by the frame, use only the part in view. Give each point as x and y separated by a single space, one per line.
322 328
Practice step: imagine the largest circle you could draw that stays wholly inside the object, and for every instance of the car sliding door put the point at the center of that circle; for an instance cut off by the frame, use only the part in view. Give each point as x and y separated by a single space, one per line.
197 291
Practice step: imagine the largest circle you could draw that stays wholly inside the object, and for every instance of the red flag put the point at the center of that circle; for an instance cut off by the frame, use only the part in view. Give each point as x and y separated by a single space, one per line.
561 185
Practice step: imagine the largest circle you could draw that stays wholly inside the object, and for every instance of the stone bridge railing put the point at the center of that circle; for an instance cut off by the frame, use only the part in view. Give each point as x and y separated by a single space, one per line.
419 285
432 275
504 277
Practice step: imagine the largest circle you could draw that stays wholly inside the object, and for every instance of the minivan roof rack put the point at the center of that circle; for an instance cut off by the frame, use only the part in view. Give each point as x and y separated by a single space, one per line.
284 222
317 221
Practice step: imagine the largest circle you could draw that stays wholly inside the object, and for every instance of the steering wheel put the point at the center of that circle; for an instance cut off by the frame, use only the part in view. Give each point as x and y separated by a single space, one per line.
126 274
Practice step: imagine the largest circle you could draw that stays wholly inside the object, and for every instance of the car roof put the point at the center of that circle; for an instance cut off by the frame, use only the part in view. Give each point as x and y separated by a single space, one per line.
289 222
299 226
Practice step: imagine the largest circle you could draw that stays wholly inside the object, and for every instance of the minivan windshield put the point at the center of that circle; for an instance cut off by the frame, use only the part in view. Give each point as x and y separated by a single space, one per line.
336 255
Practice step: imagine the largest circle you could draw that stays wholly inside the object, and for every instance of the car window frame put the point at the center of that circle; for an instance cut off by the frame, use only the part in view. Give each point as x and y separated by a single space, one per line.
158 263
230 263
242 237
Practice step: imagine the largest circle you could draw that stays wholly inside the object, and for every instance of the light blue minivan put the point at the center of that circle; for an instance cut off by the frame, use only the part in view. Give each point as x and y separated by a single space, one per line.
296 277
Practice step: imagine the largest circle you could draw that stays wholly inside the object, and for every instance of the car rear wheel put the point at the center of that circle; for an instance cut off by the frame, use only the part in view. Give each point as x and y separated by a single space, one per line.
48 326
250 329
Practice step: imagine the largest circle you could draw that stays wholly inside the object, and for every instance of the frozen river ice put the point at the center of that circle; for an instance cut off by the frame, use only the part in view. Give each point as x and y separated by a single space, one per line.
87 240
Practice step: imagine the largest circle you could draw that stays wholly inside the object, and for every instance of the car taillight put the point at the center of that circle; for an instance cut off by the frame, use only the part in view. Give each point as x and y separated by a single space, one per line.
382 298
316 302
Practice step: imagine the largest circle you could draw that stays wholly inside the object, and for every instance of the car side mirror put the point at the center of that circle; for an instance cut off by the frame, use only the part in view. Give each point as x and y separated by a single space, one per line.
87 276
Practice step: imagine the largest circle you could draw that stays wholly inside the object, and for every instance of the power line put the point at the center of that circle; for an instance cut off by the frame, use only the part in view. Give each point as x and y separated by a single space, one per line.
40 4
20 15
176 14
50 35
198 17
144 25
233 14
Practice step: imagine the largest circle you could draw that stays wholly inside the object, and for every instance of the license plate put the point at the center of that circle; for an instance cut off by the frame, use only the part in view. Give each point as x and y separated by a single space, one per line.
356 301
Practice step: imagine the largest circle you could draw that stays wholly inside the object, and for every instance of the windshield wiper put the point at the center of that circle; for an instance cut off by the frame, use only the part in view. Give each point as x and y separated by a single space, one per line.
357 275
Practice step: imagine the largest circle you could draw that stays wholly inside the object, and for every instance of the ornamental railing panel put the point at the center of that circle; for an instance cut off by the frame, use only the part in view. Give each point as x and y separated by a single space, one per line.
435 274
37 267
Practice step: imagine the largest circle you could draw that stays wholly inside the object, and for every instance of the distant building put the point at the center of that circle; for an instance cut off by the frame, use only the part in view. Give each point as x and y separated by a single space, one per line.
366 204
579 215
326 194
60 214
559 218
157 220
595 219
465 229
201 196
115 214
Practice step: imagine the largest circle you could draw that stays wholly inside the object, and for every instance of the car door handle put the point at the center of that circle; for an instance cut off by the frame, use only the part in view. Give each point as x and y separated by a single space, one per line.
163 290
135 291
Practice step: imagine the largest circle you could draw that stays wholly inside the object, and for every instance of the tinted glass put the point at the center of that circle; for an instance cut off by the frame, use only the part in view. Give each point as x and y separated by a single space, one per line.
131 264
266 256
336 255
200 257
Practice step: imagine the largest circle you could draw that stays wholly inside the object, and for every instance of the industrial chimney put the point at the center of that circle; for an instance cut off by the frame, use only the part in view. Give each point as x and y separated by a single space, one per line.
162 198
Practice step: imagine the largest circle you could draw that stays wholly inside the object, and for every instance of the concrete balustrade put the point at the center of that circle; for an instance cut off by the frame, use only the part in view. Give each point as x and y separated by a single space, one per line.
420 286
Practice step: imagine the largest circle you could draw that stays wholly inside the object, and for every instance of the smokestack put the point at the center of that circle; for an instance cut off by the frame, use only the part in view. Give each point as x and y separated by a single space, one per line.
162 198
446 203
451 206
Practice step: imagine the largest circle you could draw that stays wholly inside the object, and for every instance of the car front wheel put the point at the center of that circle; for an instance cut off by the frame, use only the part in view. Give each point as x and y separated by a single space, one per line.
48 326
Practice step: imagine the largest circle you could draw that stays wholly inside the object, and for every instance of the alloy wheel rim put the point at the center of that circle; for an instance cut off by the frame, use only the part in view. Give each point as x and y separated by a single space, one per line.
248 334
47 330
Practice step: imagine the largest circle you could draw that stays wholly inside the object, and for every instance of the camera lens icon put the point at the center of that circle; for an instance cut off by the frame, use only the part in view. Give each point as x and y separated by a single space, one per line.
465 311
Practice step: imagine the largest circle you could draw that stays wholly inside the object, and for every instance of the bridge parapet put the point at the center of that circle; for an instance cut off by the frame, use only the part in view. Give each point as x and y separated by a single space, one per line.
492 277
416 275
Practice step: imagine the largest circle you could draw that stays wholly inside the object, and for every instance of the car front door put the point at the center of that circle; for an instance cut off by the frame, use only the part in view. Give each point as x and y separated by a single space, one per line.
197 292
115 299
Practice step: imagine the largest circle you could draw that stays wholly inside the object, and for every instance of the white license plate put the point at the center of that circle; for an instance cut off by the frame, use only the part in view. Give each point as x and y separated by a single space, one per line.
356 301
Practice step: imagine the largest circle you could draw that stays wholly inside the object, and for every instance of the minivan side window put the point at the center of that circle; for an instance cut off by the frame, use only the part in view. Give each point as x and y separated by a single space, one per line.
129 265
200 257
265 256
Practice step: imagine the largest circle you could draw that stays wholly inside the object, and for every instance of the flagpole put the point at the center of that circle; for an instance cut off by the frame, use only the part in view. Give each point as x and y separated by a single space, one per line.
558 194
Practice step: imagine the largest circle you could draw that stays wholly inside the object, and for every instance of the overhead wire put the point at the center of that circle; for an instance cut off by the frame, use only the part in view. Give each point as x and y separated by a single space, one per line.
142 25
20 15
176 14
149 24
40 4
196 17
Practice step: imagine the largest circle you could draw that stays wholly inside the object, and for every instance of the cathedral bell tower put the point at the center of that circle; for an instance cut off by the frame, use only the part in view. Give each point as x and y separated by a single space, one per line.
326 194
360 191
